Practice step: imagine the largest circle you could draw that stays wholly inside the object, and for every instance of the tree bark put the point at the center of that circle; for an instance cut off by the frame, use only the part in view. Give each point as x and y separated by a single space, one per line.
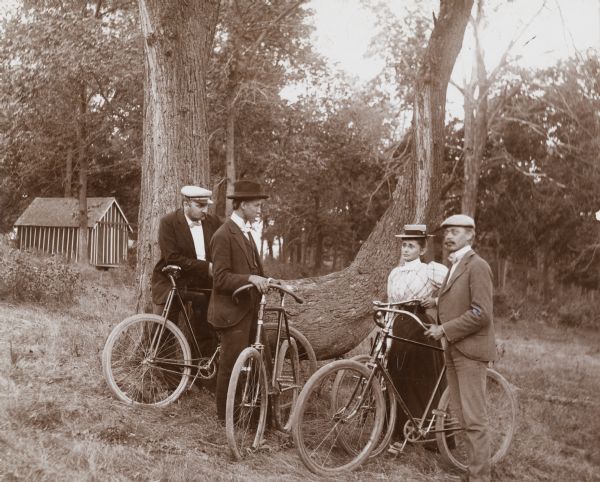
178 40
337 313
230 171
476 122
82 242
68 172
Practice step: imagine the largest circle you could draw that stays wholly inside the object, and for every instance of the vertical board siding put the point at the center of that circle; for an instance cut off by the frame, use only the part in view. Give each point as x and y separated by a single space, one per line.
107 239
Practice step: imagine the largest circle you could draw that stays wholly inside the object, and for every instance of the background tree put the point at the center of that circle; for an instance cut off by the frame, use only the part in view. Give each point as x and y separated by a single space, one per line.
70 82
259 48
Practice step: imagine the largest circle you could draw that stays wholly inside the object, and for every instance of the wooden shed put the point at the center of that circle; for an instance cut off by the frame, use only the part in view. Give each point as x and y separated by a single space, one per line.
52 225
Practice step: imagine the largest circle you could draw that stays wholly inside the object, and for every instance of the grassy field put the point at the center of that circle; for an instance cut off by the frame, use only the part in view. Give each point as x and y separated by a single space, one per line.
58 420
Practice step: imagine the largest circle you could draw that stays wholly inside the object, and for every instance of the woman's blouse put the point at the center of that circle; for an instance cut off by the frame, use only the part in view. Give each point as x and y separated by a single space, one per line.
415 279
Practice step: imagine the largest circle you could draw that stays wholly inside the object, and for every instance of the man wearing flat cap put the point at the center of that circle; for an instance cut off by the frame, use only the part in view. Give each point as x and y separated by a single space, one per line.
466 323
236 262
184 240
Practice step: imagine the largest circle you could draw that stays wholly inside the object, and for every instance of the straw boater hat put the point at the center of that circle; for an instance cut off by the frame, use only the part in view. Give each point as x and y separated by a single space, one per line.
246 190
414 231
460 220
196 193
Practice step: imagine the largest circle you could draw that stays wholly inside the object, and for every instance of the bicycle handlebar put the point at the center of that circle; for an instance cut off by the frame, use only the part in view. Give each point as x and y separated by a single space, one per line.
387 307
276 286
381 304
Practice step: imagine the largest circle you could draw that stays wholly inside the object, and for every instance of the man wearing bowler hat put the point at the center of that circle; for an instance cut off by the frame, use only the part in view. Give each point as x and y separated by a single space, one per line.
236 262
466 323
184 240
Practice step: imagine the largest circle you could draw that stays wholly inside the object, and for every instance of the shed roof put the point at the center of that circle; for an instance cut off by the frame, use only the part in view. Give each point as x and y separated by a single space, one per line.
64 211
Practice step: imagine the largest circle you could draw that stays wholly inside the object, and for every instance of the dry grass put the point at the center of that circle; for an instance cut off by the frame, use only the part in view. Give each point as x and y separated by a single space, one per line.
58 420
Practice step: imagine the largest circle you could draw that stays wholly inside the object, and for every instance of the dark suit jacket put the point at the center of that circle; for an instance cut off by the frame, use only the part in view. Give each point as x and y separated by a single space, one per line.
232 267
177 247
465 308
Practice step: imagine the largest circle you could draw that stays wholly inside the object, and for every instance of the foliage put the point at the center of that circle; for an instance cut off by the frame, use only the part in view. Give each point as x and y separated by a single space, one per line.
579 314
540 176
32 277
70 80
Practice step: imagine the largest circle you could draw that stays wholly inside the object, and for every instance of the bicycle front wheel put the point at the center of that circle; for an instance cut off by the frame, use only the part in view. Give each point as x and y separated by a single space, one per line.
389 421
247 400
143 366
334 434
287 384
502 421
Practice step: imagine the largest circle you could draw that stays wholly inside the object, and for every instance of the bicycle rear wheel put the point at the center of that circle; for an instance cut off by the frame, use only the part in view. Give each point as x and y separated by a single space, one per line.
288 385
336 434
306 353
502 421
389 421
135 373
247 400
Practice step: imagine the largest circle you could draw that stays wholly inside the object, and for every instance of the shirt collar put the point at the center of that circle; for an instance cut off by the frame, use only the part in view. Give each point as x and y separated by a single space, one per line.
192 223
458 255
239 222
411 265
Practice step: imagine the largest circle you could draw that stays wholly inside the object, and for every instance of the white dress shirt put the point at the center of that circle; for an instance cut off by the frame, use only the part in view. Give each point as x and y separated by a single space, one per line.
455 258
415 279
198 236
245 226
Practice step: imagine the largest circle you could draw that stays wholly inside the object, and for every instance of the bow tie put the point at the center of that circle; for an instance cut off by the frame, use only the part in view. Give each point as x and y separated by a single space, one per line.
452 258
246 228
195 223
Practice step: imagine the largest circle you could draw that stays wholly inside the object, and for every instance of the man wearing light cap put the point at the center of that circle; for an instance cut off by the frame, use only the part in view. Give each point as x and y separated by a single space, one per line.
184 239
466 324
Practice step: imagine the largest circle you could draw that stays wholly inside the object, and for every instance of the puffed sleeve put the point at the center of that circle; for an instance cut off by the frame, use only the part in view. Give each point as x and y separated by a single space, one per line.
436 273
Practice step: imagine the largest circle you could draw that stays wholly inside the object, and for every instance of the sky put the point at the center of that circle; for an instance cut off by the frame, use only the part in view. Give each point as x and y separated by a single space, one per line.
560 29
345 27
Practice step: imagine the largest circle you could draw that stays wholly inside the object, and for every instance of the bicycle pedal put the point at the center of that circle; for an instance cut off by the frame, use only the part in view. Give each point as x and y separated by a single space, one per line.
439 413
396 448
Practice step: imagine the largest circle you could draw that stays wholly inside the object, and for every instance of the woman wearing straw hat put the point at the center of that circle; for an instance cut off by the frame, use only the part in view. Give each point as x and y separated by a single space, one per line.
414 369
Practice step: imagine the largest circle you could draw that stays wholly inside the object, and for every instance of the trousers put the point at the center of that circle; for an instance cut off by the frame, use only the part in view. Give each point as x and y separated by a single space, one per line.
467 384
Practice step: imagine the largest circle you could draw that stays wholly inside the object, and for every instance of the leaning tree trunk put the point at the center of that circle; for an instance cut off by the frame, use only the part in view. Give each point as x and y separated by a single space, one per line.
337 312
178 40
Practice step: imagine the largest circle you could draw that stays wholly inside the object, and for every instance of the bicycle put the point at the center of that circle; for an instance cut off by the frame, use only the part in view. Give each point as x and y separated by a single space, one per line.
249 393
347 410
147 359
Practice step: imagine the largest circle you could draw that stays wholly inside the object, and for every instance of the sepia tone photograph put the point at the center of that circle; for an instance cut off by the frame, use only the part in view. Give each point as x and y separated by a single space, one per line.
300 240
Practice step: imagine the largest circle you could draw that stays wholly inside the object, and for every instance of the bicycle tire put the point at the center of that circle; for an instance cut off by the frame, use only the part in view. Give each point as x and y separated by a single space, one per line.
317 425
247 401
390 414
502 416
306 353
132 376
287 378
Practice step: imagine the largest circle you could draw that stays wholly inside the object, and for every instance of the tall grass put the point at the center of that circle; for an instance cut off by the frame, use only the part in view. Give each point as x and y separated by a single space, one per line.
58 420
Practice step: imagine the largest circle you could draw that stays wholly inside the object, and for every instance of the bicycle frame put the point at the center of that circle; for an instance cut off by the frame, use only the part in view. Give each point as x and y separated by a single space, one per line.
281 314
174 296
377 365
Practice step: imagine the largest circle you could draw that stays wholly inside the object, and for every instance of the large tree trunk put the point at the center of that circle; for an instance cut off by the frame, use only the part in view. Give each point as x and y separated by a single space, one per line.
337 313
178 40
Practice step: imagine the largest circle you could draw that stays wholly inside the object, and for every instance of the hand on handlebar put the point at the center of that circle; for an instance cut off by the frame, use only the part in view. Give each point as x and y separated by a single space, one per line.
262 284
429 302
435 331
